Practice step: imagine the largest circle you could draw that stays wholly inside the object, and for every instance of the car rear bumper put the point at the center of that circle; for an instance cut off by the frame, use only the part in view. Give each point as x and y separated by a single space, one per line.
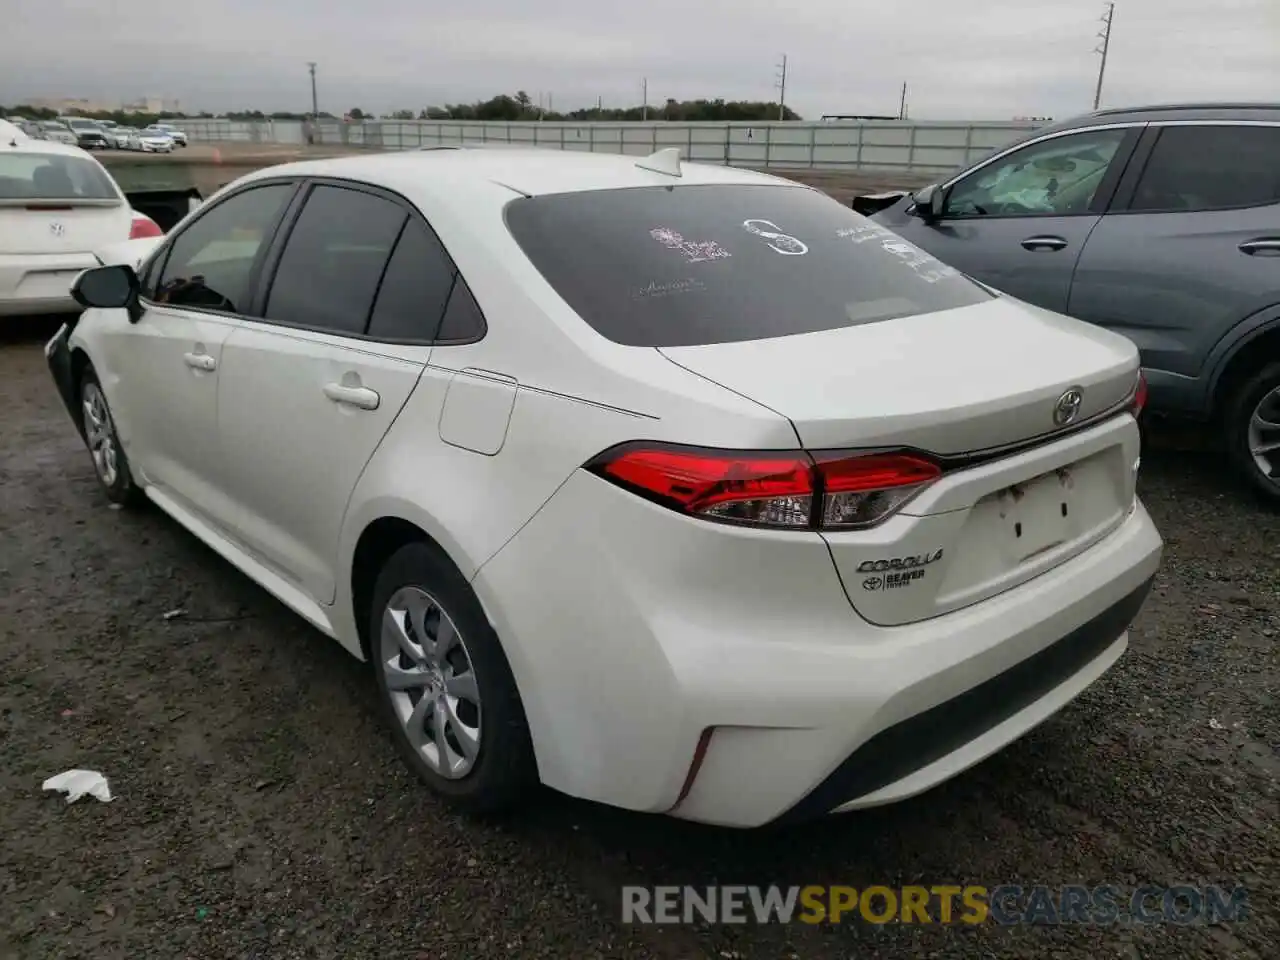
40 283
641 639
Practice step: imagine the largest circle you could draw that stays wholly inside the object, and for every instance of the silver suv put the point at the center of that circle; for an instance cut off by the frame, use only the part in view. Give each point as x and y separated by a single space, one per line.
1161 223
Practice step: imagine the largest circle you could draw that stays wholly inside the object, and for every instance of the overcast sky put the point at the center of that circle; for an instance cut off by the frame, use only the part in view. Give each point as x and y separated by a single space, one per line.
980 59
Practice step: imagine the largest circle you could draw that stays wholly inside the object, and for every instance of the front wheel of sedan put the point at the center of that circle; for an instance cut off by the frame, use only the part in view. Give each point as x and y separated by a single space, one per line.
109 461
1253 431
445 684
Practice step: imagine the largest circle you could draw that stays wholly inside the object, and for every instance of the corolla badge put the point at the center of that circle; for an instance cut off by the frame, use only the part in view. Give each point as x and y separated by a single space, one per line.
57 229
1068 406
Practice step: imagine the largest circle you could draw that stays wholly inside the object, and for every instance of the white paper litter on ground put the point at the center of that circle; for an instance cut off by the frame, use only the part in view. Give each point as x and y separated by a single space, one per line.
76 783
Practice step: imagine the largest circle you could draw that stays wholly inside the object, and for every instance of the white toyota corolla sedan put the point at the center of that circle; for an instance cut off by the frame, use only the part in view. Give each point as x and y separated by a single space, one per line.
57 206
680 488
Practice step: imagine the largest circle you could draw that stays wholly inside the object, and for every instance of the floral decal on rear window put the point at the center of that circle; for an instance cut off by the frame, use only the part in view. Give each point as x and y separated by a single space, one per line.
694 251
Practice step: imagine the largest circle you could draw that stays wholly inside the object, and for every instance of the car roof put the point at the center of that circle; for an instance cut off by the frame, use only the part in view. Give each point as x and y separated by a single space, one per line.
28 145
1156 113
532 171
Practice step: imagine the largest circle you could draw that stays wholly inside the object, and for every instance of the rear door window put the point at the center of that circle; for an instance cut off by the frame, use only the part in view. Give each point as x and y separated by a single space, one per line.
333 262
415 288
1195 168
701 264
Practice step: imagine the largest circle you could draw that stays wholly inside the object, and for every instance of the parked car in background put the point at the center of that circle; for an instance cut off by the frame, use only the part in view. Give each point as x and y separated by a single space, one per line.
750 487
1161 223
151 140
174 133
89 135
58 132
127 138
10 131
58 205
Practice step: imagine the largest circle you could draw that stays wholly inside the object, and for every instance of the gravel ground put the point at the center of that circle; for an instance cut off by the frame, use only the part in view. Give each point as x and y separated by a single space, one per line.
261 811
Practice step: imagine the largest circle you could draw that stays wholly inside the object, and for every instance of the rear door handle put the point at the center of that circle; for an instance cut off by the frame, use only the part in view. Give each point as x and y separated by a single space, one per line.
200 361
1044 243
361 397
1266 247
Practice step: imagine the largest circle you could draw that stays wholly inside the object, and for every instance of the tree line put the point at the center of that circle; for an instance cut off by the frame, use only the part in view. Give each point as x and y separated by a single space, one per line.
519 106
503 107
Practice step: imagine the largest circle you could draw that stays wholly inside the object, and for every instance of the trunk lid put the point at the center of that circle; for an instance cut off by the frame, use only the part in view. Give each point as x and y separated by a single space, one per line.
959 384
63 227
951 382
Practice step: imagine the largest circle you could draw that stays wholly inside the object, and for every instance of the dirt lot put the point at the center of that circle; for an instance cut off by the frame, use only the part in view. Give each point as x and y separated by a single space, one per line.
260 810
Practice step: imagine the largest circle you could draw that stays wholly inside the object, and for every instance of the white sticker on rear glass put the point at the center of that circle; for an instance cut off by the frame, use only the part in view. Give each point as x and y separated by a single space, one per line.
926 266
694 251
655 289
779 242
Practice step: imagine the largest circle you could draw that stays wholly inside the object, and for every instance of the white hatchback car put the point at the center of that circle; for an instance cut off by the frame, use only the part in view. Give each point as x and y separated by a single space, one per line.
677 487
58 205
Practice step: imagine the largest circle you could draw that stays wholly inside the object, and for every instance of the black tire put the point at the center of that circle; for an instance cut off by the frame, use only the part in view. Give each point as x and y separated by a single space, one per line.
504 770
1239 412
121 488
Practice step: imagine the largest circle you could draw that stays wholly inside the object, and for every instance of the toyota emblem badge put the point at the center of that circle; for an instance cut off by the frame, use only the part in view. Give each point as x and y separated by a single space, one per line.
1068 406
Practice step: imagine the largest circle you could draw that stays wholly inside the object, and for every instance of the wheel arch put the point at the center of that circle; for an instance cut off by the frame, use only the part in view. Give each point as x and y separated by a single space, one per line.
379 539
1248 348
378 531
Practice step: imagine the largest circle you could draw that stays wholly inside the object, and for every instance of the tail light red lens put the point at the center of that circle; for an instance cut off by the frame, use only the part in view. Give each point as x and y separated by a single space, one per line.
1138 399
144 226
789 490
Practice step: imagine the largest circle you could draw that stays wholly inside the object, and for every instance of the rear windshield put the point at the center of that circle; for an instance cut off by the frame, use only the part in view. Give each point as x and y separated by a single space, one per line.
690 265
39 176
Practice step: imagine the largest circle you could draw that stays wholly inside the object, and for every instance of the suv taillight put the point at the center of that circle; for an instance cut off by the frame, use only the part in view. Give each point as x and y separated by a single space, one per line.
778 489
143 226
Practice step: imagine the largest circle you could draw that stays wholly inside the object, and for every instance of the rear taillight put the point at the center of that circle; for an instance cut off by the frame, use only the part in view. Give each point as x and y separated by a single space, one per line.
859 491
1138 399
788 490
144 226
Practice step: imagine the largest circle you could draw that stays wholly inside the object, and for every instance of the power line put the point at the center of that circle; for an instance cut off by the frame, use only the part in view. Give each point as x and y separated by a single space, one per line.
781 84
1105 37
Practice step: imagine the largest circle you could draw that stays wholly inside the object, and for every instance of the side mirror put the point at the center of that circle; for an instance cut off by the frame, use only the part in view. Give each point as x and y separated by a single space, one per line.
110 288
928 203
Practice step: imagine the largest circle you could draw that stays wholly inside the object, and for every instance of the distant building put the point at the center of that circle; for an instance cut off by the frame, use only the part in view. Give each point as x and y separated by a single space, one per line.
152 105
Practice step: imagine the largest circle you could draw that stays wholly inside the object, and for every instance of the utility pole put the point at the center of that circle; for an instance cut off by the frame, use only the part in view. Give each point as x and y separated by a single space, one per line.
599 104
1105 37
782 89
902 108
315 109
644 87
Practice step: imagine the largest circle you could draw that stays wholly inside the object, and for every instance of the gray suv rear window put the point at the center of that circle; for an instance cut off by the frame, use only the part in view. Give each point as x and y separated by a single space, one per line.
701 264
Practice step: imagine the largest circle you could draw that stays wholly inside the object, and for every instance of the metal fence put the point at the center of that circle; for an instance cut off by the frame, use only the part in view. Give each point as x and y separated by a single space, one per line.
918 147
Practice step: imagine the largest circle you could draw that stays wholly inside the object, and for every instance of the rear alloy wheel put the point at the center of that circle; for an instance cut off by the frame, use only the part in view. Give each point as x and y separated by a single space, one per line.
447 690
109 461
1253 430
